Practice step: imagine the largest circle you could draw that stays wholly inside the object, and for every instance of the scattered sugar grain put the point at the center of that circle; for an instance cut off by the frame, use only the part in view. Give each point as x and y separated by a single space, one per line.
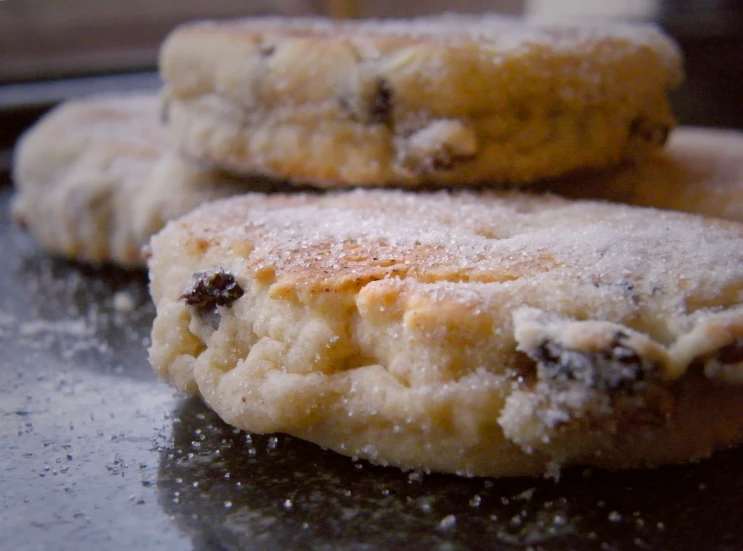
526 495
123 302
448 522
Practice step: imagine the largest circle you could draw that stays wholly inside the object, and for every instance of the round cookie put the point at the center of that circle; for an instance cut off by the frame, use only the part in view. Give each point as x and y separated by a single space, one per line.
478 333
95 179
447 101
701 171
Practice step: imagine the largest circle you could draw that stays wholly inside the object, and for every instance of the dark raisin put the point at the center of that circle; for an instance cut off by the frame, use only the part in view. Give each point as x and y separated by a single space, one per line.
635 126
380 110
732 353
566 364
627 286
625 355
267 50
212 288
616 369
648 131
442 161
620 352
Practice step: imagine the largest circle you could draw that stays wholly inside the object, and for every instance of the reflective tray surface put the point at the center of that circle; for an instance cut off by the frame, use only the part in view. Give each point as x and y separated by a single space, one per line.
96 453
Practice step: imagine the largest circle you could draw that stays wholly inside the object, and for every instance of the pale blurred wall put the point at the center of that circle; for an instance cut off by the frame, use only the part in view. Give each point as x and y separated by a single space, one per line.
57 38
400 8
51 38
562 10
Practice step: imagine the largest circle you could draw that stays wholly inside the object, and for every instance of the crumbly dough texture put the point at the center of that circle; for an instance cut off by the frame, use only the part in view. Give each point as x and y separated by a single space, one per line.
472 332
96 178
432 101
700 171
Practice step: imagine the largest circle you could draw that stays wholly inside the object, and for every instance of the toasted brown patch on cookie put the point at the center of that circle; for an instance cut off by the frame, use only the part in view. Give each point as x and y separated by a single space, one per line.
480 333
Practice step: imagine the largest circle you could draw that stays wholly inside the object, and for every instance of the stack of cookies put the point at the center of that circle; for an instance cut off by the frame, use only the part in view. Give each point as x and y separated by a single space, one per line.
429 324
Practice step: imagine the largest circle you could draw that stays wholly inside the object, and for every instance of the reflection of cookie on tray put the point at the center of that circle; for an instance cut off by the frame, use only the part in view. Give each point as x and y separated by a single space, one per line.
701 172
476 333
231 490
449 100
95 179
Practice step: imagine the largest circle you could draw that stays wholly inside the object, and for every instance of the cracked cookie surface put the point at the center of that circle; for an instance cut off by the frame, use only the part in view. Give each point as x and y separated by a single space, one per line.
96 177
481 333
450 100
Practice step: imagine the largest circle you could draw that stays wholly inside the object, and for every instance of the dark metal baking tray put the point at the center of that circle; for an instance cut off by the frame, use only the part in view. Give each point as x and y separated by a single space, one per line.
96 453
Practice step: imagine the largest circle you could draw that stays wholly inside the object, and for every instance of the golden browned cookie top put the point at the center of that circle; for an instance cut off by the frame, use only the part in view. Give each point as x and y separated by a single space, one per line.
482 333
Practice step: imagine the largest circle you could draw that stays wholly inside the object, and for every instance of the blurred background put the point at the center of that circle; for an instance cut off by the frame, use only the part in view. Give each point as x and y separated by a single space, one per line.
53 49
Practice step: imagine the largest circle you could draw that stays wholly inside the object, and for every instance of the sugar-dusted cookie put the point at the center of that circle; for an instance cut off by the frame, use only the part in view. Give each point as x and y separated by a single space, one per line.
477 333
95 179
450 100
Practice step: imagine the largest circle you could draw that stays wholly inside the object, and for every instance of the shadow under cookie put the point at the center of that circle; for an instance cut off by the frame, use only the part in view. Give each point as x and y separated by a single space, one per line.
229 490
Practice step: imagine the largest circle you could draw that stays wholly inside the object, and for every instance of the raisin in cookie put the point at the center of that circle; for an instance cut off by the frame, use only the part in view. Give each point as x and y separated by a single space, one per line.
95 179
701 172
477 333
433 101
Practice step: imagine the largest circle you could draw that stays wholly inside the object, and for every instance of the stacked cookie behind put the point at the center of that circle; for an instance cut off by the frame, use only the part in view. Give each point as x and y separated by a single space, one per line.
97 177
480 332
452 101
